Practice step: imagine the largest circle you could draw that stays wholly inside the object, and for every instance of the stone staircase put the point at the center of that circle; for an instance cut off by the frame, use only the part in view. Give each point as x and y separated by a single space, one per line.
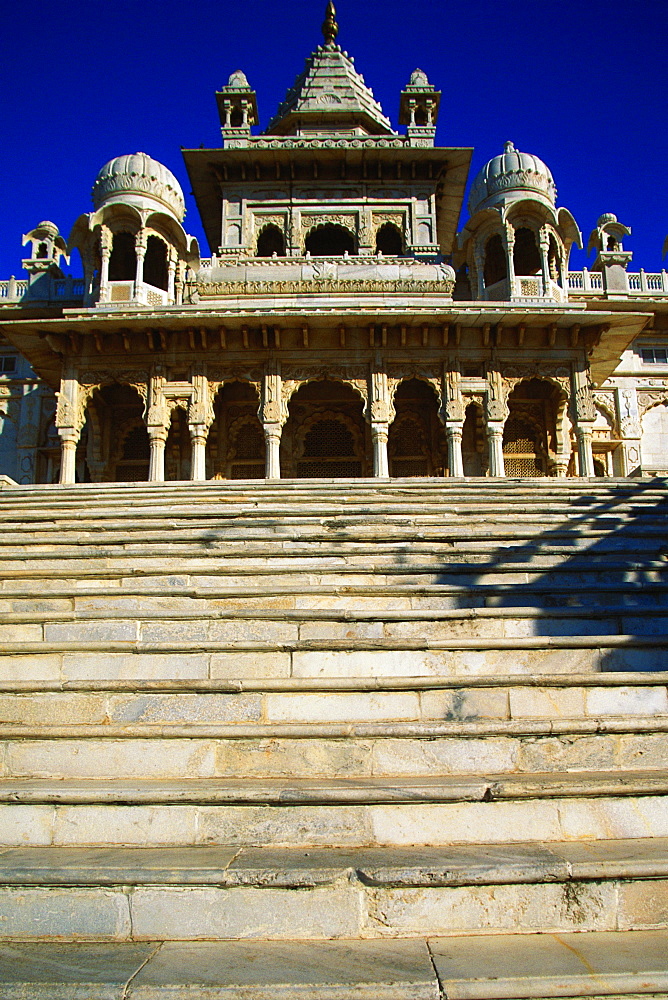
334 739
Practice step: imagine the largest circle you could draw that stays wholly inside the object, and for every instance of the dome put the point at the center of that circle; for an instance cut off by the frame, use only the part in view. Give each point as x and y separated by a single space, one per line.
137 178
512 173
238 80
48 229
606 219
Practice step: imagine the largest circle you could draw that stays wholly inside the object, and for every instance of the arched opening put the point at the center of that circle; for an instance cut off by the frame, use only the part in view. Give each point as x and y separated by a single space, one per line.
416 441
325 435
604 443
119 450
271 241
526 256
123 260
178 450
42 251
132 466
389 241
155 263
530 432
421 117
473 442
235 447
236 118
496 268
330 240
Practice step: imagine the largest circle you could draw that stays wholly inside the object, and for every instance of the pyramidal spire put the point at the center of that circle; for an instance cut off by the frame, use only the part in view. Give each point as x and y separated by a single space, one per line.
330 28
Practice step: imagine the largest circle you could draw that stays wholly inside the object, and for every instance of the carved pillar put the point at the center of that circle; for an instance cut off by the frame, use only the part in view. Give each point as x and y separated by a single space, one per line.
140 251
559 465
200 418
106 244
171 276
630 428
69 421
453 412
158 438
509 241
584 415
179 282
496 414
380 412
479 258
89 273
272 417
544 247
453 433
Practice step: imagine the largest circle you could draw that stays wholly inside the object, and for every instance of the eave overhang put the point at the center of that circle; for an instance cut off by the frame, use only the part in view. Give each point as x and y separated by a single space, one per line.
606 334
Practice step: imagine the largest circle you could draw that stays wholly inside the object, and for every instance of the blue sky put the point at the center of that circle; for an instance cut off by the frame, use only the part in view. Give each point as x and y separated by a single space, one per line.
582 85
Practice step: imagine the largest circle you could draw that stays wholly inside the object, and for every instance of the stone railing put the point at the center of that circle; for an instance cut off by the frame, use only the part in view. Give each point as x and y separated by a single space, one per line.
13 290
593 283
45 289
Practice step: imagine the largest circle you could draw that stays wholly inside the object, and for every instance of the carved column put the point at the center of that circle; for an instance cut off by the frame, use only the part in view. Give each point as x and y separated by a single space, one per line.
171 276
453 411
380 412
509 241
157 424
89 274
272 417
140 251
630 427
584 415
496 414
106 244
200 418
179 282
158 438
479 258
544 247
69 421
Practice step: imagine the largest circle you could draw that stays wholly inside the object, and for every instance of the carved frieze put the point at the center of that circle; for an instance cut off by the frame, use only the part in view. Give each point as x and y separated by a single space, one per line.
218 289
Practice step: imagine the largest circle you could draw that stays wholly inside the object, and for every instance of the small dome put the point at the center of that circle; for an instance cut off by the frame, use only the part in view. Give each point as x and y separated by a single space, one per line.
512 173
48 229
138 177
606 218
238 80
418 79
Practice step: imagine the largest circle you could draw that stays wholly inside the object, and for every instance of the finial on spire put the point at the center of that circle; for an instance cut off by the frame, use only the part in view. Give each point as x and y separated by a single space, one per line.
330 28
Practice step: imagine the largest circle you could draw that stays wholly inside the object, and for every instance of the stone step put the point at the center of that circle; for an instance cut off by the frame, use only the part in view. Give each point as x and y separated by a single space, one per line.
313 658
594 702
177 578
292 625
382 812
289 748
84 596
476 967
230 892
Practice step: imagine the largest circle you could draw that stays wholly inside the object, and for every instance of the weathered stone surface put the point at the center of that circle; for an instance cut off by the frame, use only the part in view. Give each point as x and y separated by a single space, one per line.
125 825
350 970
41 971
533 908
190 913
68 912
274 757
537 966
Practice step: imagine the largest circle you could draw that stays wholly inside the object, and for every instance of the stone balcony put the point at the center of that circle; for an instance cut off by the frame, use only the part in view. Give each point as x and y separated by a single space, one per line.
308 275
525 288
